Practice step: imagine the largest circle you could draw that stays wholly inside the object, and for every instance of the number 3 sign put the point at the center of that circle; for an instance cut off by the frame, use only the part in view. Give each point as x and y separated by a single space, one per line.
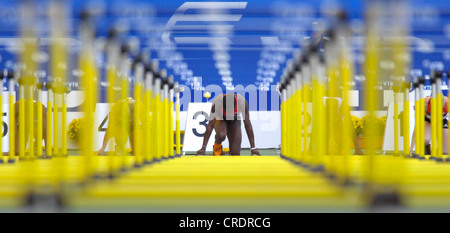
196 122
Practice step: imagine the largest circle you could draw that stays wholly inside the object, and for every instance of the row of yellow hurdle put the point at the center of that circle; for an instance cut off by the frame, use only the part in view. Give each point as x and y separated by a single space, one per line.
310 174
31 171
317 131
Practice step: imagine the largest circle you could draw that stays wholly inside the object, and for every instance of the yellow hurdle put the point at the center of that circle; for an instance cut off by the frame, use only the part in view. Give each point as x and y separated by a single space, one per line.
346 75
306 112
21 122
322 131
156 142
290 114
39 123
406 86
113 53
421 117
177 90
371 73
318 115
12 118
58 71
165 117
283 117
439 126
286 116
137 137
64 121
124 128
49 134
30 118
298 110
396 125
87 65
157 118
27 77
124 122
417 117
289 110
448 108
293 122
170 118
56 106
148 145
331 151
434 118
292 109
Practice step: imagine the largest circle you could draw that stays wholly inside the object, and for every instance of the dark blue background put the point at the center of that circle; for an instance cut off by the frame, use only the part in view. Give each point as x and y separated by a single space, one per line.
287 21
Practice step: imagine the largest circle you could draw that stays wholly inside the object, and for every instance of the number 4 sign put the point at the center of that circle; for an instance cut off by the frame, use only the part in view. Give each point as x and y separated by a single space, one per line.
196 122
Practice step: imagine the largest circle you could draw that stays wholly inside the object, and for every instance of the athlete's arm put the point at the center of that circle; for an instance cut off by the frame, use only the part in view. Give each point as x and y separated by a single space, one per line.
105 141
249 130
209 129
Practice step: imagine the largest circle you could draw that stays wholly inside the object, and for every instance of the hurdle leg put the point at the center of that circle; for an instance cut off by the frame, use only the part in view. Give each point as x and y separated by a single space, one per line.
124 123
49 143
148 145
64 124
422 123
396 126
21 120
177 109
165 120
137 147
417 120
322 145
346 76
12 122
372 72
110 96
299 120
434 119
39 122
318 117
157 119
306 114
56 103
283 120
439 126
291 117
170 119
289 110
406 118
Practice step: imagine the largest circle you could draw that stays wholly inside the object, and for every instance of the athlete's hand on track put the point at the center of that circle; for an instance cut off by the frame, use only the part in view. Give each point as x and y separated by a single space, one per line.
201 152
255 152
101 151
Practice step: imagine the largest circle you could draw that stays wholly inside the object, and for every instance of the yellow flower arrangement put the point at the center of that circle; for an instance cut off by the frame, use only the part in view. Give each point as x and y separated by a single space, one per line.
373 125
357 124
367 124
75 127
